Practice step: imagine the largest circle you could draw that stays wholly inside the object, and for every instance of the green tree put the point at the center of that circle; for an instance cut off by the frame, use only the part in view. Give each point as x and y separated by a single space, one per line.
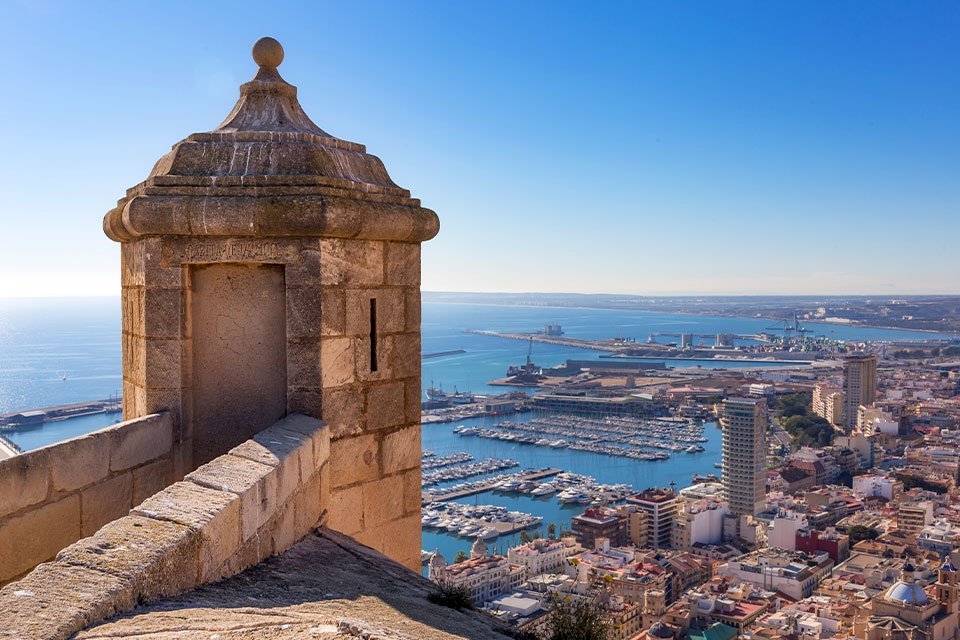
551 531
461 556
858 533
580 619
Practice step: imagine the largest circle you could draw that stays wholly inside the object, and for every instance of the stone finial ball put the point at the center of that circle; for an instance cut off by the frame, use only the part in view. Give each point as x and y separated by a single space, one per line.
267 52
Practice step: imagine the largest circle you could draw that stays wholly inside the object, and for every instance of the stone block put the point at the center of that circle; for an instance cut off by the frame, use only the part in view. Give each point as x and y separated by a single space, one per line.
413 309
303 363
385 406
37 535
401 450
343 411
23 481
406 355
105 502
351 262
337 360
162 362
309 504
312 428
304 312
161 558
255 483
294 451
401 540
214 514
55 601
308 402
412 410
142 440
372 537
151 478
382 501
354 460
403 263
79 462
162 313
391 310
346 510
333 312
412 491
284 531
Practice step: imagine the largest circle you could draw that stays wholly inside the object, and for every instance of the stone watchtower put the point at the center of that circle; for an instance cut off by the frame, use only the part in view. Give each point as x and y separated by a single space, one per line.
271 268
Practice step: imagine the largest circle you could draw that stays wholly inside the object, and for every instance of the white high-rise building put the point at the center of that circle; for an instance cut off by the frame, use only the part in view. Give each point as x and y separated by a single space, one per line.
744 454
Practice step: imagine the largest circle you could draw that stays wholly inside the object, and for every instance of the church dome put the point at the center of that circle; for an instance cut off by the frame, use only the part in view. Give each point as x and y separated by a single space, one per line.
909 593
947 564
479 549
660 630
437 561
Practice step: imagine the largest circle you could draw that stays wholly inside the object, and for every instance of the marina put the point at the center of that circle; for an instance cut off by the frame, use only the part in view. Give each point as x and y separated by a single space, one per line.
480 486
460 472
638 439
475 521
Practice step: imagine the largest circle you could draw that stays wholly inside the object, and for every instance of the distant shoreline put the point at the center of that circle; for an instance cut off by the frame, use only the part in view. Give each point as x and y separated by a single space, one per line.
687 313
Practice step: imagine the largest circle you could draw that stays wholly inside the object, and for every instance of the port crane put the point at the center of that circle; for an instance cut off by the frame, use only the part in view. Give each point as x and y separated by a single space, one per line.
791 328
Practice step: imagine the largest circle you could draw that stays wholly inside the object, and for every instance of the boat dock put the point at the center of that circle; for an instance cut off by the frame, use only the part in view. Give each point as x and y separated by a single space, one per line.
487 486
36 417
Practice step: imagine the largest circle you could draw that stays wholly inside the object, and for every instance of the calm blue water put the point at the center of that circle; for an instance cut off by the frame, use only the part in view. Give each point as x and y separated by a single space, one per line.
58 351
606 469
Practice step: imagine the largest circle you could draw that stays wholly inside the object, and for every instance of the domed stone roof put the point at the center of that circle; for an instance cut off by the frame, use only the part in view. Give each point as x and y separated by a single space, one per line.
660 630
437 561
947 564
268 170
909 593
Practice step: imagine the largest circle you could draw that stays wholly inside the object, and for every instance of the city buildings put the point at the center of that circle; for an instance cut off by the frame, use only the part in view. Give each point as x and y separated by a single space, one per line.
744 454
658 507
600 523
859 384
485 576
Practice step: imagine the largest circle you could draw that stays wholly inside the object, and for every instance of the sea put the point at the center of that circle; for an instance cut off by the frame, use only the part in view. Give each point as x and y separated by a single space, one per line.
60 351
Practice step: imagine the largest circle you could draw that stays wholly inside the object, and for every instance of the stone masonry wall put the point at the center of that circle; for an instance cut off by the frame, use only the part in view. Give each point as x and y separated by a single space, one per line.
374 416
227 515
52 497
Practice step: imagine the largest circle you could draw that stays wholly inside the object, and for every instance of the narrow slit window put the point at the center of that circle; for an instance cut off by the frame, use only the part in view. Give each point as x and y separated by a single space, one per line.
373 334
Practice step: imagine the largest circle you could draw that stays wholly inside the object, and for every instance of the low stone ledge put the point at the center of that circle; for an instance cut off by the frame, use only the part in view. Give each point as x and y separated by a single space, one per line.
225 517
52 496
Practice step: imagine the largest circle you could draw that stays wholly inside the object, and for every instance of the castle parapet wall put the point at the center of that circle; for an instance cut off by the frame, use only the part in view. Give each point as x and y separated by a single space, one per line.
255 501
53 496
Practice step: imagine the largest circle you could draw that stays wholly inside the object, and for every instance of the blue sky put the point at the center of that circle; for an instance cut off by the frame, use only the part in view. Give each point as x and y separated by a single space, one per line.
639 147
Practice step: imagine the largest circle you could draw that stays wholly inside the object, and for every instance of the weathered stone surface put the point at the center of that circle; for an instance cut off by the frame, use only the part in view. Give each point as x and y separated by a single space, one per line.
79 462
401 539
141 440
151 478
401 450
253 482
354 460
382 501
412 491
343 411
403 263
337 357
346 510
385 406
37 535
105 501
23 481
287 598
351 262
160 558
215 514
55 601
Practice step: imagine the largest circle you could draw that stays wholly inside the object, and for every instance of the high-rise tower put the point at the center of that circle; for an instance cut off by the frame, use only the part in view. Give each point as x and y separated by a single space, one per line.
744 454
859 385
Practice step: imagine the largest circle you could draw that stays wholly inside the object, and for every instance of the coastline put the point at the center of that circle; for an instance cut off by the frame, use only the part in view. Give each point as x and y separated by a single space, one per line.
852 325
